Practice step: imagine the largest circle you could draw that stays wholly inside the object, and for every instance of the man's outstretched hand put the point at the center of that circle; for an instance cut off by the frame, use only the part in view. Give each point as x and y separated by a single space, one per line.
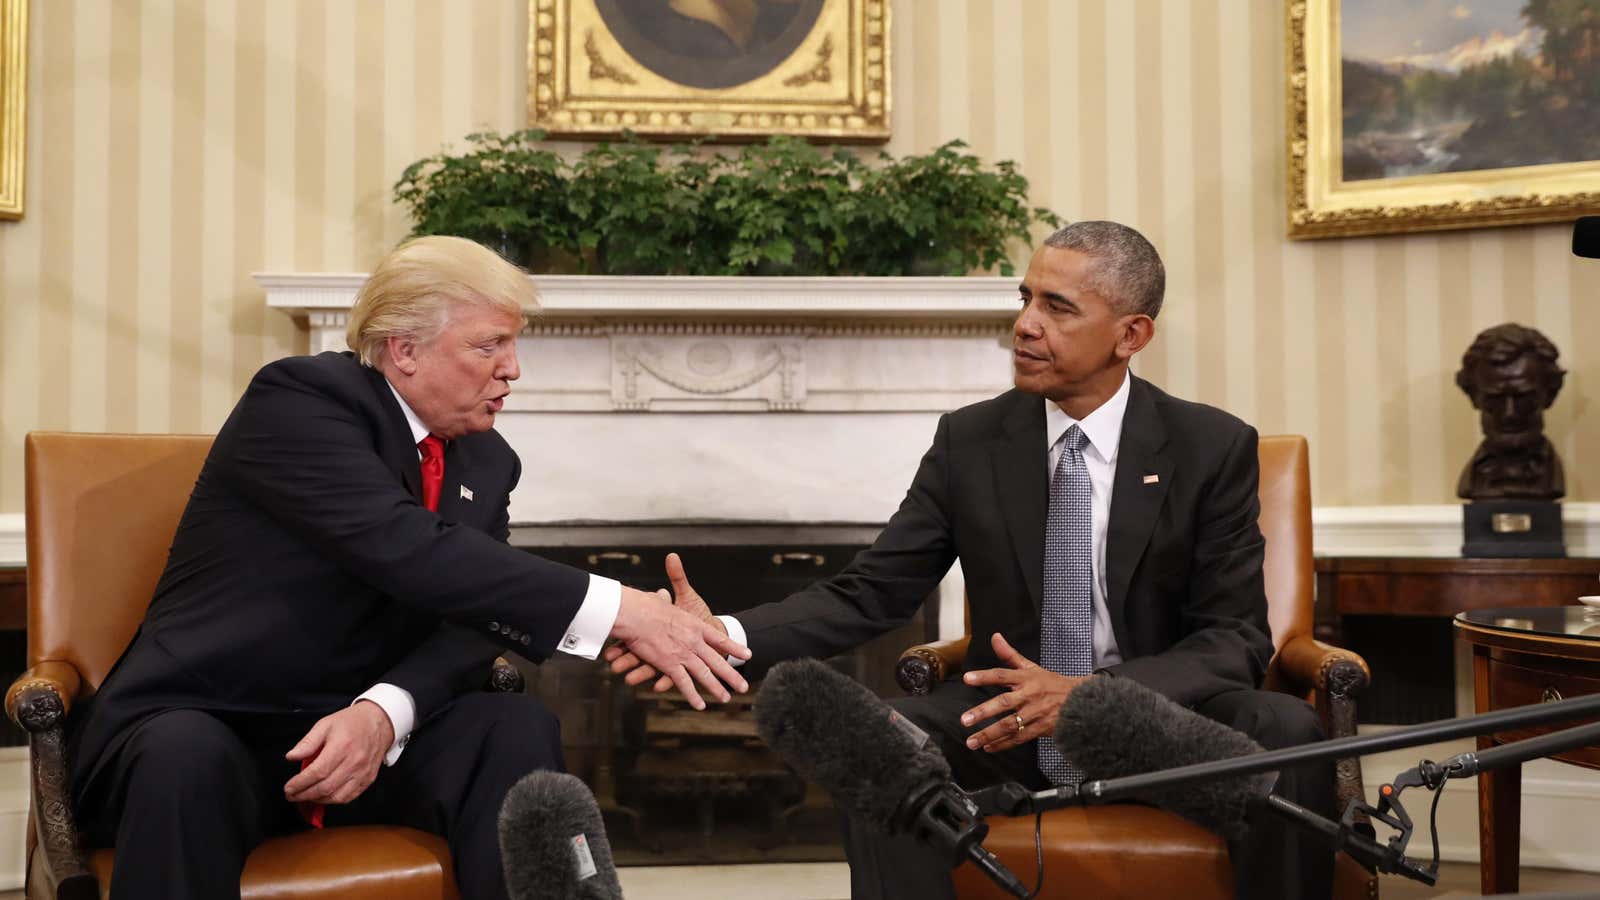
638 671
682 641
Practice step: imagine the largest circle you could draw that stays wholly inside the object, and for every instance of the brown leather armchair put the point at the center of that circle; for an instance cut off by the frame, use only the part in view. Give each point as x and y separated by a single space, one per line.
1134 851
101 513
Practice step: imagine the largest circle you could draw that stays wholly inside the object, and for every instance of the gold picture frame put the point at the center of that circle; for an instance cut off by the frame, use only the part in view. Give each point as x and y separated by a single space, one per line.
818 69
13 104
1322 203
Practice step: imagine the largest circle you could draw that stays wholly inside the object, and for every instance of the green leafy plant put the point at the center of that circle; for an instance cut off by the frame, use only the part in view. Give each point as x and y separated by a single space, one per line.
942 214
784 207
505 191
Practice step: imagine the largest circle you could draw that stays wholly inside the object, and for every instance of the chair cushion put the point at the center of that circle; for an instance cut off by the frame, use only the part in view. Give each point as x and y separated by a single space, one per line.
368 862
1109 852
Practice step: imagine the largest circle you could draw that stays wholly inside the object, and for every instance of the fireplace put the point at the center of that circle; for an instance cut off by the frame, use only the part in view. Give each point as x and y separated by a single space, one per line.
764 428
678 785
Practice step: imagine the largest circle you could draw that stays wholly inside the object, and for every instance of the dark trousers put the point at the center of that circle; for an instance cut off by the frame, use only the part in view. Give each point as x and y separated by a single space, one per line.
191 793
1274 860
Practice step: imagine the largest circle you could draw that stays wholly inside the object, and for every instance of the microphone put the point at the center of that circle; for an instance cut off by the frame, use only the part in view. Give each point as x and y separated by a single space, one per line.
1586 237
1116 727
553 841
881 769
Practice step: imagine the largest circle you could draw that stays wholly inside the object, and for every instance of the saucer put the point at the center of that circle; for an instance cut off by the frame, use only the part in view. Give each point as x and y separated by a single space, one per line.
1592 601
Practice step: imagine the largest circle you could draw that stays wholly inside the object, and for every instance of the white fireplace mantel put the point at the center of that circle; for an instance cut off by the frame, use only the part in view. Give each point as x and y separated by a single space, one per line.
732 345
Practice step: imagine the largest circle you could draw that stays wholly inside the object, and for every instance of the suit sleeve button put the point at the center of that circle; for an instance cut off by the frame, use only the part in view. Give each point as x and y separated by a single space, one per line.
494 626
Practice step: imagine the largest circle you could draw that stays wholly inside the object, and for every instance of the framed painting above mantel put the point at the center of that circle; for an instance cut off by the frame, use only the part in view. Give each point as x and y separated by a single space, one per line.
13 104
1426 115
719 69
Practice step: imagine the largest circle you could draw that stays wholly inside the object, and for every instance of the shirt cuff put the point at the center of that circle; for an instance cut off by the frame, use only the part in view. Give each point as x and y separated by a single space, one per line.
398 704
736 632
587 633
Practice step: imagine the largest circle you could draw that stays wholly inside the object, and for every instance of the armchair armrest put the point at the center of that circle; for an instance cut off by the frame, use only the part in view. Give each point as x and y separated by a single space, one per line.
1312 665
41 696
1336 677
38 702
505 678
923 666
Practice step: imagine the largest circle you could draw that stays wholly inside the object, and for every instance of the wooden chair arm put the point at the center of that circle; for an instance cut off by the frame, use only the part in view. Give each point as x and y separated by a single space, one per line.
38 702
505 678
40 697
1335 677
1310 664
925 665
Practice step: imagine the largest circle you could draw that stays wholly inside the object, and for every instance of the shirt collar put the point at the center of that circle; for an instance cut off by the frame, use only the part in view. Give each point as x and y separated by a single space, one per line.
1103 426
418 430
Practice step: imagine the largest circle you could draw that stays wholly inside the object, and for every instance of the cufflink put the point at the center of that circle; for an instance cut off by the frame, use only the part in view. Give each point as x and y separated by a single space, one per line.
570 641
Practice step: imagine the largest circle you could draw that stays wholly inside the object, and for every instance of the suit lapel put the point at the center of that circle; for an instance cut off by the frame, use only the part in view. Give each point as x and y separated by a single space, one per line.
1020 459
394 436
1135 502
453 507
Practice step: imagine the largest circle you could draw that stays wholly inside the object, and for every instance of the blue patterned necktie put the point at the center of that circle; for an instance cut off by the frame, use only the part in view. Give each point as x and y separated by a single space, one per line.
1066 628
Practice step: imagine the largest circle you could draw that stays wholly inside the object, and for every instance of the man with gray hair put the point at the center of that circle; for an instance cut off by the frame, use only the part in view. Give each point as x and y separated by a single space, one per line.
337 591
1104 529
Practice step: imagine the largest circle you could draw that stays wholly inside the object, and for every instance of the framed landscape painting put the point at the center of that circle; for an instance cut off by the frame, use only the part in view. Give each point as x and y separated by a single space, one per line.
1419 115
735 69
13 104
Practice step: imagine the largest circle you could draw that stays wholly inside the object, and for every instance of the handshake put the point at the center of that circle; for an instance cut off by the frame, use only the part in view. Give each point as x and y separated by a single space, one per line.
676 640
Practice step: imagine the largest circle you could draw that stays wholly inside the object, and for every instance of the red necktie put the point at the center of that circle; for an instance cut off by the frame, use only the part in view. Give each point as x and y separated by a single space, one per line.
432 470
432 480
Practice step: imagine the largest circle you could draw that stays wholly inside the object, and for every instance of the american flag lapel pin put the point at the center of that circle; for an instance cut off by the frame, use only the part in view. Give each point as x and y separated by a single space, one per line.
1152 479
466 492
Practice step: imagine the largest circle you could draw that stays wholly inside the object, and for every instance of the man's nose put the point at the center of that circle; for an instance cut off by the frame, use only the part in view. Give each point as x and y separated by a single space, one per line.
510 369
1027 324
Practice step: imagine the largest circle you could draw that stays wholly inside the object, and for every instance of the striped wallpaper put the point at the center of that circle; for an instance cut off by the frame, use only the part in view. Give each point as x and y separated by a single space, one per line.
176 146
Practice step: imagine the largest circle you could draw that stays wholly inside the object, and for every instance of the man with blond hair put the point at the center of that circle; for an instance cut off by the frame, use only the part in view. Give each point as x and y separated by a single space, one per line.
335 596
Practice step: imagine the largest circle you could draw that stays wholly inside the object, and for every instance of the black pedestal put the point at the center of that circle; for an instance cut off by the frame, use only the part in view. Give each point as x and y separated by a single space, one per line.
1512 528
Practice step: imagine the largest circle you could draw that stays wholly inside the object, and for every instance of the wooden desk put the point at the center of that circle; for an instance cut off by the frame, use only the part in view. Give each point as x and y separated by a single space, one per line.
1421 586
1522 656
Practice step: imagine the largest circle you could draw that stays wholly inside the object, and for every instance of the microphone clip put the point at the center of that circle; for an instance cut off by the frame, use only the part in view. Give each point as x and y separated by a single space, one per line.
1391 856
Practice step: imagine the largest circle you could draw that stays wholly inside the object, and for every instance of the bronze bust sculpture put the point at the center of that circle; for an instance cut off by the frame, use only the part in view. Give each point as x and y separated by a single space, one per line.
1510 373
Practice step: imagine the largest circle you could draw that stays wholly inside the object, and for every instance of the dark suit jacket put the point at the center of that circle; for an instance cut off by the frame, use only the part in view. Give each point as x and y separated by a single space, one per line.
305 569
1183 554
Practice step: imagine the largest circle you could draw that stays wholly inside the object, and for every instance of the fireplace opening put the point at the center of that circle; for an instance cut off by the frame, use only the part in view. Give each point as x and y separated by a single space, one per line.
680 786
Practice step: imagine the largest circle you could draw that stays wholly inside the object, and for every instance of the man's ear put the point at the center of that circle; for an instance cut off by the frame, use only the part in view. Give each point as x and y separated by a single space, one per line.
402 352
1135 332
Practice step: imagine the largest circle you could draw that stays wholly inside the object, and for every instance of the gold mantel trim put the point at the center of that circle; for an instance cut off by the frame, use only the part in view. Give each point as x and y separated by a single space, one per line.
1322 205
834 87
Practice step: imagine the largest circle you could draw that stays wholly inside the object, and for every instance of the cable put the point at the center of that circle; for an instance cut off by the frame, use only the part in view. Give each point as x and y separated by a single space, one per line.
1038 853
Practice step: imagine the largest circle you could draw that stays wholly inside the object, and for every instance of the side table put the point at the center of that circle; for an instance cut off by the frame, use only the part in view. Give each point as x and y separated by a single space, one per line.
1520 656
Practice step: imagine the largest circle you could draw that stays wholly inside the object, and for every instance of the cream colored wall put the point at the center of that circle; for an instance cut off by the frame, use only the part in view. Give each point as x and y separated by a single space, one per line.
176 146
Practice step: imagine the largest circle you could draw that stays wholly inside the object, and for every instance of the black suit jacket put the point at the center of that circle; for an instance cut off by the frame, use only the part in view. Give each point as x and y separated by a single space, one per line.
1183 552
305 569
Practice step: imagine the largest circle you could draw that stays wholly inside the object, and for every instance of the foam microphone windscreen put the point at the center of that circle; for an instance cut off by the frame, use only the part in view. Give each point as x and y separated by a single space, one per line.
841 737
553 842
1114 727
1586 237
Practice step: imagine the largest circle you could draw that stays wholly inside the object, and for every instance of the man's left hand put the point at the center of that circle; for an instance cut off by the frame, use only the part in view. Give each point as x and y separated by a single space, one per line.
346 750
1028 708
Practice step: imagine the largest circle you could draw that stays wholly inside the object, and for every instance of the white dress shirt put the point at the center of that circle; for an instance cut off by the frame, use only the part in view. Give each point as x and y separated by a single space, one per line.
1104 429
585 636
